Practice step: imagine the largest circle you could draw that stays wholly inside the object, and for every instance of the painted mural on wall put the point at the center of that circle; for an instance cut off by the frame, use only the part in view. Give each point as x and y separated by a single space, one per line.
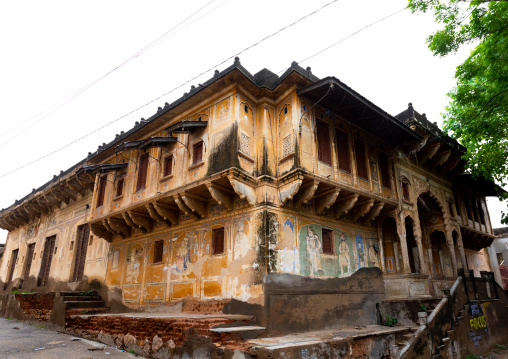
359 251
184 247
314 262
134 263
287 256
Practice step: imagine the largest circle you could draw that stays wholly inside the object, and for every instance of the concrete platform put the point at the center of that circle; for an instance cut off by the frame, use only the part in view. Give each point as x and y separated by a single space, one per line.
325 336
168 316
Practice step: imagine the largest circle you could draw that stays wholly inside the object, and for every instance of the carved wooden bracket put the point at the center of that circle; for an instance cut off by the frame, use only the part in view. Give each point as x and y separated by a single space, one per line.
166 212
427 152
143 222
222 195
128 220
243 190
101 232
119 226
450 164
75 186
155 215
306 192
287 191
68 193
195 203
361 209
326 199
374 212
183 206
345 203
440 158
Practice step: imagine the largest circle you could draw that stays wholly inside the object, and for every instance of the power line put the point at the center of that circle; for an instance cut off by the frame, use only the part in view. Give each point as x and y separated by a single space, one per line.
69 98
167 93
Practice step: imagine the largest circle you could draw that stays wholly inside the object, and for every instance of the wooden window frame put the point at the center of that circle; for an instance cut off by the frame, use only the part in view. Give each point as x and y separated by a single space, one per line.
218 241
324 143
142 171
101 192
168 166
158 252
328 244
120 184
405 191
195 159
343 151
384 167
361 159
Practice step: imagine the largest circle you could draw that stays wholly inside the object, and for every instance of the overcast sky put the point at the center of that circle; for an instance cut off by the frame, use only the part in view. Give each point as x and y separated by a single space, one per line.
52 49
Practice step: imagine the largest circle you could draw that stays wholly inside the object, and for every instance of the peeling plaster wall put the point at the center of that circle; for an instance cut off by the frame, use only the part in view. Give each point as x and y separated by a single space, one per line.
63 223
189 267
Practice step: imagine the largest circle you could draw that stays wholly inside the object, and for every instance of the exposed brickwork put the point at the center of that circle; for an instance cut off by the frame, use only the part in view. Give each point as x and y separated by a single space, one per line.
193 305
176 330
36 305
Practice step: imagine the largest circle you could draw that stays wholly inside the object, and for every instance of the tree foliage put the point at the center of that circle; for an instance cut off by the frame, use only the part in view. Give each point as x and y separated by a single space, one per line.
477 114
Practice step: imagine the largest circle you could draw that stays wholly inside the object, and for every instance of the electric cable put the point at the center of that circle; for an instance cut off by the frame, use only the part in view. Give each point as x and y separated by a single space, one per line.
167 93
75 94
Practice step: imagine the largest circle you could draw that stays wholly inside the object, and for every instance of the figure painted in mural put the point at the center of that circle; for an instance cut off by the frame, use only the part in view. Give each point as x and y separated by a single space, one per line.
373 261
183 259
241 241
133 267
344 262
314 250
359 250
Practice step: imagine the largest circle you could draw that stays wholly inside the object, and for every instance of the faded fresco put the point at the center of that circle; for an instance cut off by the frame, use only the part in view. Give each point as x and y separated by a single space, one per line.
314 262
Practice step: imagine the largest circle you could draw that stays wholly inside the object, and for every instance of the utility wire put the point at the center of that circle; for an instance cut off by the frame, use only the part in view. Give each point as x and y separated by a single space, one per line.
167 93
69 98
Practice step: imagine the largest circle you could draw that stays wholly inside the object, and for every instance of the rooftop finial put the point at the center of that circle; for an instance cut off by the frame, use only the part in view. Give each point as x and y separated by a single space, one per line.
237 60
294 63
410 104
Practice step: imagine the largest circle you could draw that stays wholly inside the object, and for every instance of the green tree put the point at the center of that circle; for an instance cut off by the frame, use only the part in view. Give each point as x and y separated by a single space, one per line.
477 114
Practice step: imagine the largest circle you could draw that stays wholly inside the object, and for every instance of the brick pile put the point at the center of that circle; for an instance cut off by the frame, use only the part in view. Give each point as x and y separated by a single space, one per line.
37 306
169 330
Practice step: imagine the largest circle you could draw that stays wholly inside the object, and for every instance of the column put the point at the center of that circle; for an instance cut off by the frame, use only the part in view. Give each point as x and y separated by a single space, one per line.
424 268
401 230
449 243
461 250
381 244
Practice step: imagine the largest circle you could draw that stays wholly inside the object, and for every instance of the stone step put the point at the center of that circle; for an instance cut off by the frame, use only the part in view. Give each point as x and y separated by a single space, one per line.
460 317
445 340
85 304
69 298
440 347
246 332
409 336
450 331
77 292
402 344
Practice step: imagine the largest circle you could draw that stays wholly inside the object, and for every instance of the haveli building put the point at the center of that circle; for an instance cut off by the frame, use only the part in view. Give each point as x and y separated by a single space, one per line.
252 175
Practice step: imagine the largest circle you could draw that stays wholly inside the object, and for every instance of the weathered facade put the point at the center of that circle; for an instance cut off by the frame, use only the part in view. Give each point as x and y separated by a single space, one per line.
249 176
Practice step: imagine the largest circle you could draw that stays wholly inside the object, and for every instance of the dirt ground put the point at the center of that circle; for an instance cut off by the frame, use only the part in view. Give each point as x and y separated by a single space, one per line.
23 341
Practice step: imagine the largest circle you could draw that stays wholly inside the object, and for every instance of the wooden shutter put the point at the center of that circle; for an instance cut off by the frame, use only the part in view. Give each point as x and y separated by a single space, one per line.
119 187
49 248
142 172
361 162
197 155
218 241
28 264
385 171
168 166
102 191
81 249
323 138
343 153
158 250
327 241
405 191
